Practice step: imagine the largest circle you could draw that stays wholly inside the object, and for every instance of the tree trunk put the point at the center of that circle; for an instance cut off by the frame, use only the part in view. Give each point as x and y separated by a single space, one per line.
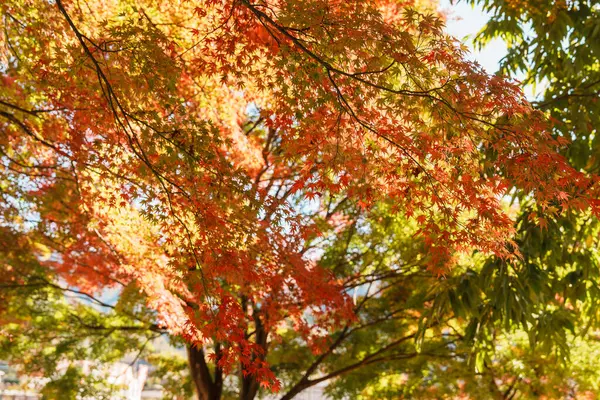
248 384
249 388
207 386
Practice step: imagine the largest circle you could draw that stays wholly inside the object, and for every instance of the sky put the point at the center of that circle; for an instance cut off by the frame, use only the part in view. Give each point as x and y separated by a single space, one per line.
464 22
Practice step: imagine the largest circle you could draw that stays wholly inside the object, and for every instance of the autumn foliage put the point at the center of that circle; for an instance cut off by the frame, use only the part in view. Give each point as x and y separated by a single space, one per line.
180 146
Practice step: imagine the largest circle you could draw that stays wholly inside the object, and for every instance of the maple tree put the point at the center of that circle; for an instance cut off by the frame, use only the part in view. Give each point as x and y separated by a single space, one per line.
182 149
